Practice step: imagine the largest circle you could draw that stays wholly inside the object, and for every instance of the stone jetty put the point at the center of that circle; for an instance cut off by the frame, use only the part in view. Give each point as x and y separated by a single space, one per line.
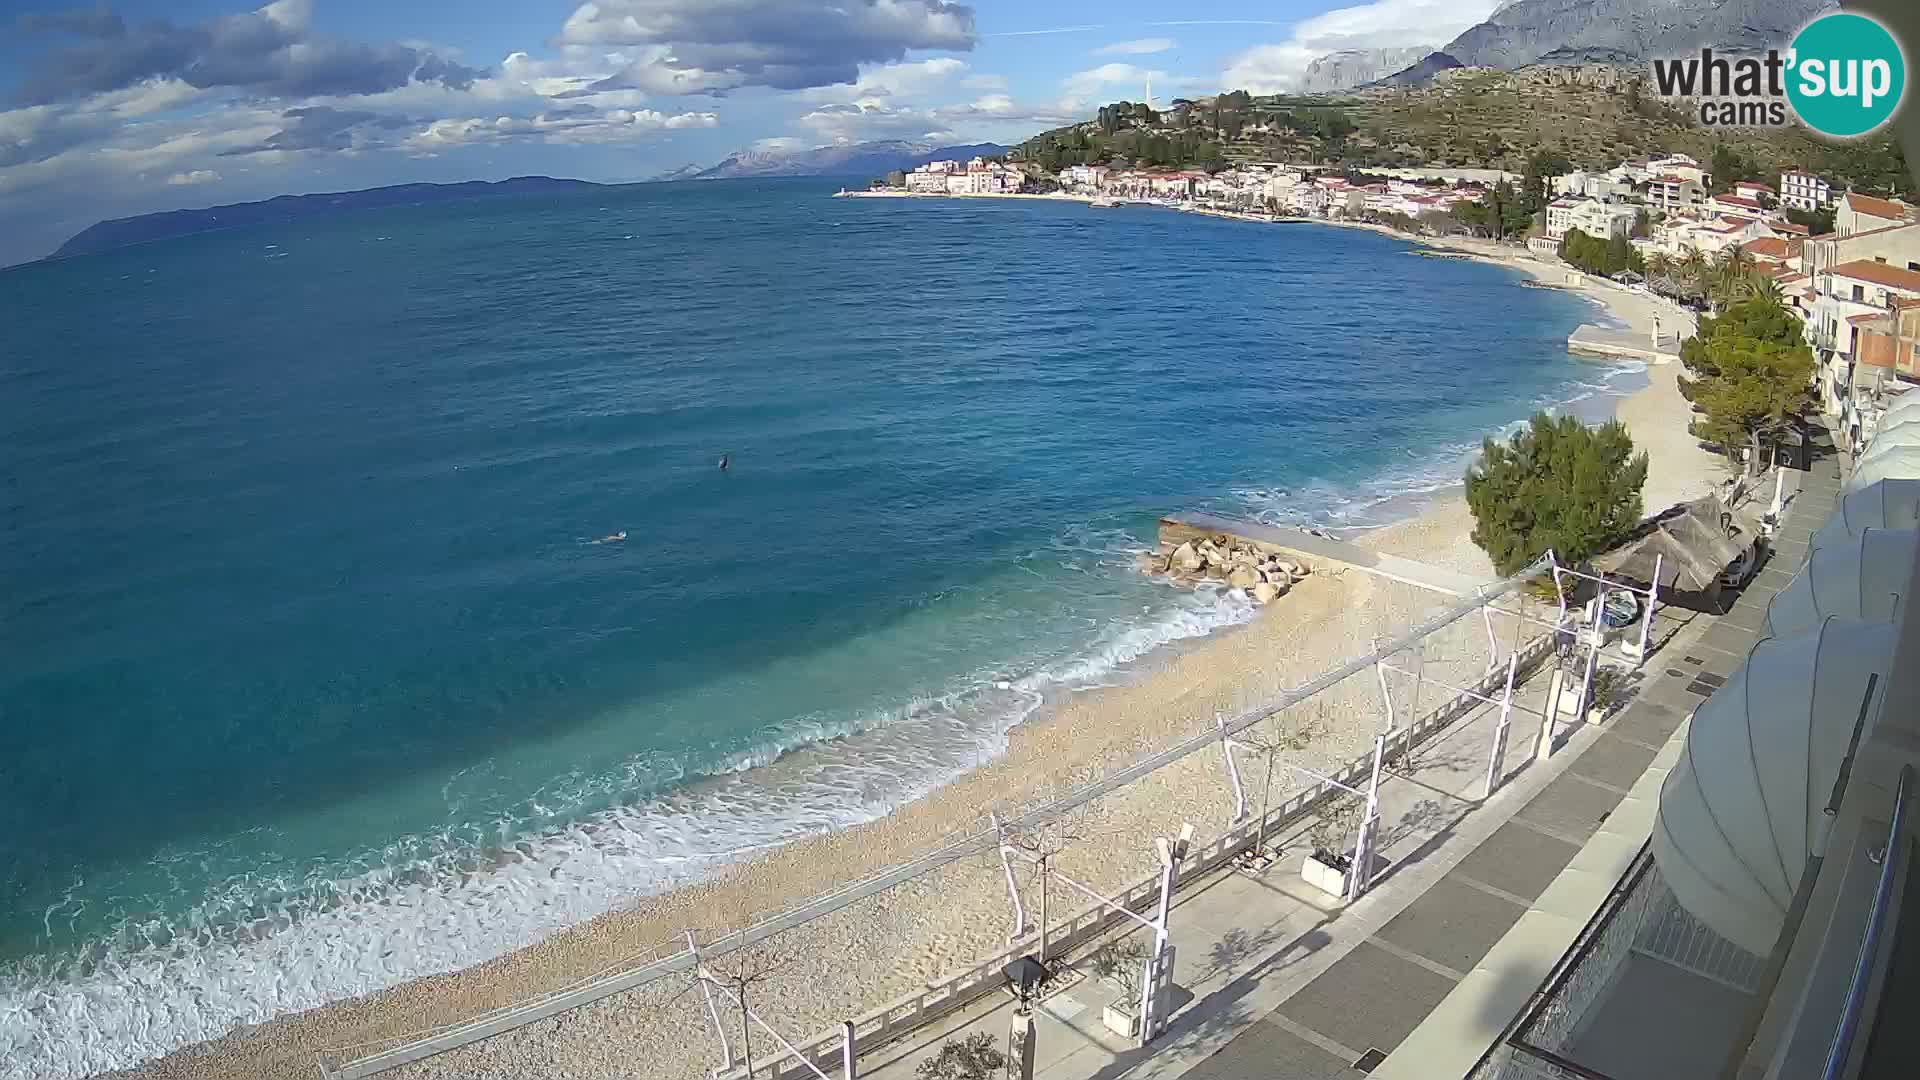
1265 574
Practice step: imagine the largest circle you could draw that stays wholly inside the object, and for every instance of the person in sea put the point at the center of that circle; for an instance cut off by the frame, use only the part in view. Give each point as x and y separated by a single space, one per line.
612 538
725 459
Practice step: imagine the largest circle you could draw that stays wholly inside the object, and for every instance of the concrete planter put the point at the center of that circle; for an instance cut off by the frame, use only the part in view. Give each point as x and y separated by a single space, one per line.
1329 875
1122 1018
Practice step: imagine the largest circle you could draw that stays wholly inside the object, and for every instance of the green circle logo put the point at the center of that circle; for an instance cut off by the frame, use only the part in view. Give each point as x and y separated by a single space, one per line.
1845 75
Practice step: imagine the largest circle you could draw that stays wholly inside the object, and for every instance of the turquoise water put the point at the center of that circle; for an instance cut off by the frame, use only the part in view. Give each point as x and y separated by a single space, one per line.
316 682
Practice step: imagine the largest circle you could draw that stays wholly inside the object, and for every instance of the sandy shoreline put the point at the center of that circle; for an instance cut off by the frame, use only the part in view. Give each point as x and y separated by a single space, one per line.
891 944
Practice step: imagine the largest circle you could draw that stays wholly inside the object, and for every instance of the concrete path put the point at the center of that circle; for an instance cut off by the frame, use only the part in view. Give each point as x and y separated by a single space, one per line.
1328 549
1276 982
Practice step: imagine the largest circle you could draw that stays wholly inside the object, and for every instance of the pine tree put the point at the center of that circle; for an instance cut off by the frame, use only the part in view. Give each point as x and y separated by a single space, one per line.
1556 484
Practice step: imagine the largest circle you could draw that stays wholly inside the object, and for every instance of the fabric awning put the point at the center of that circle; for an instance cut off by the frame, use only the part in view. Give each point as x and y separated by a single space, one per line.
1891 462
1888 504
1744 808
1862 577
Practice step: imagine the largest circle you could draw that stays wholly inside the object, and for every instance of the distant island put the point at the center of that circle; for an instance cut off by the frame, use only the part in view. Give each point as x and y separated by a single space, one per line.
283 209
845 159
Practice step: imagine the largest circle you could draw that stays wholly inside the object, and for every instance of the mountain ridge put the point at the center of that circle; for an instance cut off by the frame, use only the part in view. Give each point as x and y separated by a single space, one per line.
862 159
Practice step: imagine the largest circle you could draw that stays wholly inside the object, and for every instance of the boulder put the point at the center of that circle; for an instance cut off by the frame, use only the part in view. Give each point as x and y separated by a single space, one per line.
1187 558
1243 577
1216 557
1267 592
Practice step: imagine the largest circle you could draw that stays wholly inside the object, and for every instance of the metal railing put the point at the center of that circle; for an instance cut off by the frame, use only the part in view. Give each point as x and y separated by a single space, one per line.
982 977
1841 1051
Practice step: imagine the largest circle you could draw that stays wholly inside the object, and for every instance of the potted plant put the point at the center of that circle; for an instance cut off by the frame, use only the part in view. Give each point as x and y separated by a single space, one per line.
1120 964
975 1057
1609 688
1331 860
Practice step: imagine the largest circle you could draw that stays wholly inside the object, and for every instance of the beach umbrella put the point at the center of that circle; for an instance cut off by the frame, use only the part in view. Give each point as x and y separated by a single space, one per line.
1744 808
1886 463
1889 504
1865 579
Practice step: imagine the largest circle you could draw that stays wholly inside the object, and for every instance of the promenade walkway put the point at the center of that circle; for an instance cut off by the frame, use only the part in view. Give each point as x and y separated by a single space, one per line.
1275 983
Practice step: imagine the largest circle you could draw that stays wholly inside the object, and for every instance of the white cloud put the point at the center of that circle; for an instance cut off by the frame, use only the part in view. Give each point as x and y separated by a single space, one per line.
859 121
984 82
1276 68
695 46
586 126
903 79
188 179
779 144
1083 84
1136 47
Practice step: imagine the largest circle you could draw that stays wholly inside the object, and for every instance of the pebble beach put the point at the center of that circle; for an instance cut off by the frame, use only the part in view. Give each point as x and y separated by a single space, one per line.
892 944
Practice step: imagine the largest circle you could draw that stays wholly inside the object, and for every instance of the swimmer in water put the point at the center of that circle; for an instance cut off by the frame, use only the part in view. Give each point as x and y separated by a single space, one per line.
612 538
723 462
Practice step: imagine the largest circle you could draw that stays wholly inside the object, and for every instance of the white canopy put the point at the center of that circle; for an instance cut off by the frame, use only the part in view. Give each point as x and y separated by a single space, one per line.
1864 577
1886 462
1889 504
1743 809
1904 407
1903 430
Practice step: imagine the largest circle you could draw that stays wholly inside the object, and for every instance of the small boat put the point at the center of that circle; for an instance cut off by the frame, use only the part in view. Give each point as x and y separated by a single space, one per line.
1104 203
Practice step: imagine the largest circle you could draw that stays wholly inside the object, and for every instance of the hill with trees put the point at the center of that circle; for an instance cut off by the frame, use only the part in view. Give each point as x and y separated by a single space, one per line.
1466 118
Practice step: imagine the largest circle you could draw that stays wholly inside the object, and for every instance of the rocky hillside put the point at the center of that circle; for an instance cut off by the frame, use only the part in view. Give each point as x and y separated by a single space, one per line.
1349 68
1562 32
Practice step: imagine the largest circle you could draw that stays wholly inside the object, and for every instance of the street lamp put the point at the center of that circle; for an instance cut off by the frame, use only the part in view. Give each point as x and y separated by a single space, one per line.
1023 978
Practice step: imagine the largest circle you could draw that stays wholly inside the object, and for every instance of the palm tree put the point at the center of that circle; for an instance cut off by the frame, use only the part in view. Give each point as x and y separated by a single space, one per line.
1728 278
1661 276
1692 269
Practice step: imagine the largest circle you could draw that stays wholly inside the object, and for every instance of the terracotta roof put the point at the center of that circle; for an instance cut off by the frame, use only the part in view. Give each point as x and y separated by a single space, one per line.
1892 277
1789 227
1881 208
1766 247
1862 320
1738 200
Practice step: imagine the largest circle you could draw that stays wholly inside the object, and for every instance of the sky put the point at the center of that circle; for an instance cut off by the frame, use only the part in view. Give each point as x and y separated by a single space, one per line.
120 109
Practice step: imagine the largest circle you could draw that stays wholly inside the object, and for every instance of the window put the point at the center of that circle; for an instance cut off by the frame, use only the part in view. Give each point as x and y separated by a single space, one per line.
1859 294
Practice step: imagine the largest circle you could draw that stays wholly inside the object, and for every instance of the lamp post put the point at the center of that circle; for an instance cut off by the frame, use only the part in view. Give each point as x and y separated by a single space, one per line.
1023 978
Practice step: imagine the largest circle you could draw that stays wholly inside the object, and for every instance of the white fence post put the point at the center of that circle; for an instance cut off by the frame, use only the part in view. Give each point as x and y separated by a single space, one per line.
713 1011
1360 876
1646 622
1497 757
847 1052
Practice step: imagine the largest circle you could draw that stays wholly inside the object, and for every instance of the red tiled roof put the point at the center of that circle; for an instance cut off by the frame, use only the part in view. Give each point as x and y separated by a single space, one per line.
1891 277
1881 208
1862 320
1738 200
1766 247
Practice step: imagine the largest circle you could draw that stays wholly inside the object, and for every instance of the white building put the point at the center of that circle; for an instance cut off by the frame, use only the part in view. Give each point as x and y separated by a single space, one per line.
1864 213
1581 184
1674 193
1084 176
1590 216
1804 191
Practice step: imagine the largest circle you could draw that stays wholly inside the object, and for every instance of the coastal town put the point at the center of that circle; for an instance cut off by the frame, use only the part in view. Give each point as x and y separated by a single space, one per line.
1846 263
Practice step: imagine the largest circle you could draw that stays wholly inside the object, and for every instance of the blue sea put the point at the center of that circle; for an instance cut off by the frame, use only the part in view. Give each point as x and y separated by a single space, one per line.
315 680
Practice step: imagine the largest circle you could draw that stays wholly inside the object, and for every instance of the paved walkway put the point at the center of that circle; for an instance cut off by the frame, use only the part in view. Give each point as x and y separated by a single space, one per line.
1276 983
